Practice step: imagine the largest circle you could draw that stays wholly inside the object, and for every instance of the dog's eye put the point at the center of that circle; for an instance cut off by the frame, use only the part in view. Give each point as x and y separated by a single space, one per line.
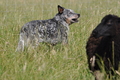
109 24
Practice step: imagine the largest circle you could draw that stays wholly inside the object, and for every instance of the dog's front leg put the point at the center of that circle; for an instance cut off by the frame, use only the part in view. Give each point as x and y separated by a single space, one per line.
64 40
64 36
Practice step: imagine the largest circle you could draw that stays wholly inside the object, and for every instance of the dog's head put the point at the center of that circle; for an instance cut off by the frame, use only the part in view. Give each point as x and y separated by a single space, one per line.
107 27
68 15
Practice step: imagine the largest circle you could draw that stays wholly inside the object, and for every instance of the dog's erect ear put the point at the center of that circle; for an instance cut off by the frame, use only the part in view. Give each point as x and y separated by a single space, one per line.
60 9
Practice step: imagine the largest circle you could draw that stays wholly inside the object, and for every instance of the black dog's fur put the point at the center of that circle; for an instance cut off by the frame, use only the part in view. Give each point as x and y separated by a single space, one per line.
104 44
52 31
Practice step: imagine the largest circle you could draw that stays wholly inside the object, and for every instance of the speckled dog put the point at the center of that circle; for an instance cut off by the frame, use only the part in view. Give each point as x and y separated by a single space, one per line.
51 31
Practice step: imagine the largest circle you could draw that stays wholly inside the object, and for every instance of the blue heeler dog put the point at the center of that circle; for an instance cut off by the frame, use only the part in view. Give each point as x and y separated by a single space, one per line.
51 31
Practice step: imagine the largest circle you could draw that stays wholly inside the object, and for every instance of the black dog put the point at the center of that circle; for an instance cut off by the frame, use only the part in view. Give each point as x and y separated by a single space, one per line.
51 31
103 46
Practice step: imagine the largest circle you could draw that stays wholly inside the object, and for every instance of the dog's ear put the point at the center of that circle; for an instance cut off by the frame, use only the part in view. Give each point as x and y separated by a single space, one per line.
60 9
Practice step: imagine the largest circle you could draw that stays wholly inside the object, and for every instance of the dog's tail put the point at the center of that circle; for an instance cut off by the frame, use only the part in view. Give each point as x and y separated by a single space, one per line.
21 43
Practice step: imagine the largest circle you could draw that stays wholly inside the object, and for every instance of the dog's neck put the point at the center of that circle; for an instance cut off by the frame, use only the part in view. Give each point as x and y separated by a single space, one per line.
61 21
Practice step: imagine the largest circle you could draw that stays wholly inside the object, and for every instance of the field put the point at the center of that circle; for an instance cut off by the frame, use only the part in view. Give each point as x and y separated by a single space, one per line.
61 63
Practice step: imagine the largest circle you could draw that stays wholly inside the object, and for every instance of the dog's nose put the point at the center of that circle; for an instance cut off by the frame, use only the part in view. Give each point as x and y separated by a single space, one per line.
95 33
78 15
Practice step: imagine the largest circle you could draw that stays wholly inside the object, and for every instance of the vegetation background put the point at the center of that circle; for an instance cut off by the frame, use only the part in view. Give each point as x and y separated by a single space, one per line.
60 63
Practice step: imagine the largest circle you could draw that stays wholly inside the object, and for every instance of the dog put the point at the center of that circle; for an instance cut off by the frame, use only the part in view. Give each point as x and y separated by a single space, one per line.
103 48
51 31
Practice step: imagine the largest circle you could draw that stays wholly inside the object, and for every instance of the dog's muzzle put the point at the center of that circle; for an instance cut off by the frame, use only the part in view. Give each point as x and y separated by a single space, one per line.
76 18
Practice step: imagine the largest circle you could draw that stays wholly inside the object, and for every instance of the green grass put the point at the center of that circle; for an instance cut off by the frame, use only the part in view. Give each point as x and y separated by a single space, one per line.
60 63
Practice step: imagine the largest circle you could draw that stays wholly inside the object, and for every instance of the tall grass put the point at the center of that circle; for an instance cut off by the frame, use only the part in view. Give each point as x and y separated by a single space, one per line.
61 63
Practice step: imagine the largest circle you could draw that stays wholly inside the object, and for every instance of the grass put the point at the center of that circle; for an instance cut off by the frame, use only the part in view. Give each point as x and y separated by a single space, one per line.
60 63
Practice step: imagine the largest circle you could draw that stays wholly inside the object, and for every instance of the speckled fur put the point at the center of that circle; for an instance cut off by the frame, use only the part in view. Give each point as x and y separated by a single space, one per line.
51 31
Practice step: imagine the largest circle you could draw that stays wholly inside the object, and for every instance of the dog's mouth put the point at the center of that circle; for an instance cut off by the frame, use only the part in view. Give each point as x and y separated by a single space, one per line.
75 20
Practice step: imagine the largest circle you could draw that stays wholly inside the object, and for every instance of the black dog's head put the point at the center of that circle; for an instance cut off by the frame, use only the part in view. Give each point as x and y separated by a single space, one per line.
68 15
107 27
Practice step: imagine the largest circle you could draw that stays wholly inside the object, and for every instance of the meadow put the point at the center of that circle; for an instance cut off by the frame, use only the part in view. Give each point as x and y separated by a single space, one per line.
61 63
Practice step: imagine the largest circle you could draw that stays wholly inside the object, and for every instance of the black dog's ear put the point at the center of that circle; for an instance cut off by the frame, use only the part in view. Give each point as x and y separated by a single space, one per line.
60 9
106 18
